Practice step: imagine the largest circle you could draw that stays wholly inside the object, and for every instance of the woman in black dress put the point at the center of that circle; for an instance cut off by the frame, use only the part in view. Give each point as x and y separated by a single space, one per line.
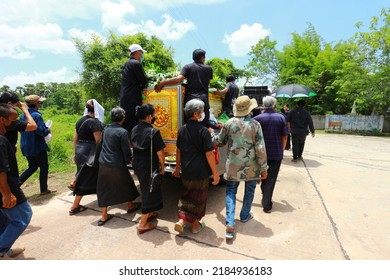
88 132
115 184
141 137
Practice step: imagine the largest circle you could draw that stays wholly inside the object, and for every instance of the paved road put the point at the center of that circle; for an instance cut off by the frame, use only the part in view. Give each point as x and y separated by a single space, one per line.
334 205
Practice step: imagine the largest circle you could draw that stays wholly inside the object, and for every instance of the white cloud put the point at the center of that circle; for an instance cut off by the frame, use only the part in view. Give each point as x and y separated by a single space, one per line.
62 75
240 41
170 29
44 11
17 42
85 35
113 13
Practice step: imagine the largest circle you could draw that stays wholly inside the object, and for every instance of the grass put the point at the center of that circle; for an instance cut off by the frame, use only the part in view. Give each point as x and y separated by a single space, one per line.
61 168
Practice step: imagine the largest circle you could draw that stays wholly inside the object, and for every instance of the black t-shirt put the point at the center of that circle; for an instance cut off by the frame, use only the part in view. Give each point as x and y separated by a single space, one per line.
140 139
9 165
198 77
12 132
86 126
133 81
231 95
194 140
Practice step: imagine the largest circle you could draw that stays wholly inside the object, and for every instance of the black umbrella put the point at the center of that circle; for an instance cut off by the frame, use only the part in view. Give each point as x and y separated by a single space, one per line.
293 91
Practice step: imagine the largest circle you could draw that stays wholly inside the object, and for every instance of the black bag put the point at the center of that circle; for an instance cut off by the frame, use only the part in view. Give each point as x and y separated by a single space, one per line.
155 181
155 176
93 158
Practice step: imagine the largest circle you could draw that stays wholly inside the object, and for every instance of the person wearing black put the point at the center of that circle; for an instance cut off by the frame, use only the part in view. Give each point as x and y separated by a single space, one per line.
115 184
18 125
231 92
196 161
198 77
285 112
88 132
299 124
14 206
148 146
133 82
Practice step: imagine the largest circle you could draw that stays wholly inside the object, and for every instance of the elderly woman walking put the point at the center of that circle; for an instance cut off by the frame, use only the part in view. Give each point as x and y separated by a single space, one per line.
196 160
148 149
115 184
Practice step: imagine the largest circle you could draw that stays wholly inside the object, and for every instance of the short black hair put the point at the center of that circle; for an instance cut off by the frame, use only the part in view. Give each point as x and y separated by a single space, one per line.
198 54
8 96
144 110
301 103
230 78
6 110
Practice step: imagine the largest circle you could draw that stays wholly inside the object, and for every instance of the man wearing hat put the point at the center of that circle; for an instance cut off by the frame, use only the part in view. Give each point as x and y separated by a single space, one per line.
133 82
33 145
246 159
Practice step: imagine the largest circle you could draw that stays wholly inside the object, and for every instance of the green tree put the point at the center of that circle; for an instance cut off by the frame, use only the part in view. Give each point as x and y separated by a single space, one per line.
222 68
264 62
103 61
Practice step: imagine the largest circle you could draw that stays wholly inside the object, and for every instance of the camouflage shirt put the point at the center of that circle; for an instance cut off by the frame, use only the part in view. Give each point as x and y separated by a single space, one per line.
246 155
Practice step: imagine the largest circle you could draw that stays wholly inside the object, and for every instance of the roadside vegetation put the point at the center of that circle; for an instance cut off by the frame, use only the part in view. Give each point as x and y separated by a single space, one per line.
353 72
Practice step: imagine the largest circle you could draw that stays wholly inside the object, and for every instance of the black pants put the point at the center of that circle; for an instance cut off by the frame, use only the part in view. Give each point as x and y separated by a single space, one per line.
298 144
268 185
288 143
41 161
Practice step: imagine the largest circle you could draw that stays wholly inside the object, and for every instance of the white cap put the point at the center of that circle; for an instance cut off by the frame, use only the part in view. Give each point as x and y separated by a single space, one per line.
136 47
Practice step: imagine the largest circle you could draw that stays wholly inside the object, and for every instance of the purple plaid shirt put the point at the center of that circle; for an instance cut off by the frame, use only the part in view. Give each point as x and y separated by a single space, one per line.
274 126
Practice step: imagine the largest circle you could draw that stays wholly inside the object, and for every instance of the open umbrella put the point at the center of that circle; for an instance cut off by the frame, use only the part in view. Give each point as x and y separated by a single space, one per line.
293 91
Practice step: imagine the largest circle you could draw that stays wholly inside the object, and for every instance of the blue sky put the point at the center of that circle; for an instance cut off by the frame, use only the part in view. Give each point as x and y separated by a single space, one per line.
36 35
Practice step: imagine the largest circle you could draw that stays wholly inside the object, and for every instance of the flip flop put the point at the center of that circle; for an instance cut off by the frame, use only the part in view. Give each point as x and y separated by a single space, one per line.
136 207
143 230
109 217
77 210
179 227
199 229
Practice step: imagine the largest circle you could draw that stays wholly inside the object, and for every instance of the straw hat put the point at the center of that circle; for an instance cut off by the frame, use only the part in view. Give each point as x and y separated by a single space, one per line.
243 106
33 99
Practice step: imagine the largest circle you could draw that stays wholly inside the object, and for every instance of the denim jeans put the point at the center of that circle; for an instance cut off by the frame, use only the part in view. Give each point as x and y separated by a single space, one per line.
231 191
18 218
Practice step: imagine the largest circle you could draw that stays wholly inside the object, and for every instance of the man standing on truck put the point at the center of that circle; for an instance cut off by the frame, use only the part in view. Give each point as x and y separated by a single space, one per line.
198 77
133 82
231 92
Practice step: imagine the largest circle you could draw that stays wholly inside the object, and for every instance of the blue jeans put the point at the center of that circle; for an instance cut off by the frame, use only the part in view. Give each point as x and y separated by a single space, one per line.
18 218
231 191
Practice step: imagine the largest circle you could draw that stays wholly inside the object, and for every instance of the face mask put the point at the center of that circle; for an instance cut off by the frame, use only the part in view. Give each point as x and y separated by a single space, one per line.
202 116
142 58
153 120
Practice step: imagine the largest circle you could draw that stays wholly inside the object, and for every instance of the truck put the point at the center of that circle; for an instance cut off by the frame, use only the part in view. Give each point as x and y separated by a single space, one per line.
169 114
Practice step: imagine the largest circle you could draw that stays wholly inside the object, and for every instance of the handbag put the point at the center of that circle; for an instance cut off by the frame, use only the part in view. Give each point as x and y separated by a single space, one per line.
93 157
155 181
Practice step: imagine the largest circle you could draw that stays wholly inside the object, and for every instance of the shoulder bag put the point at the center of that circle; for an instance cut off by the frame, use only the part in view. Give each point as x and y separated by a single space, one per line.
155 176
